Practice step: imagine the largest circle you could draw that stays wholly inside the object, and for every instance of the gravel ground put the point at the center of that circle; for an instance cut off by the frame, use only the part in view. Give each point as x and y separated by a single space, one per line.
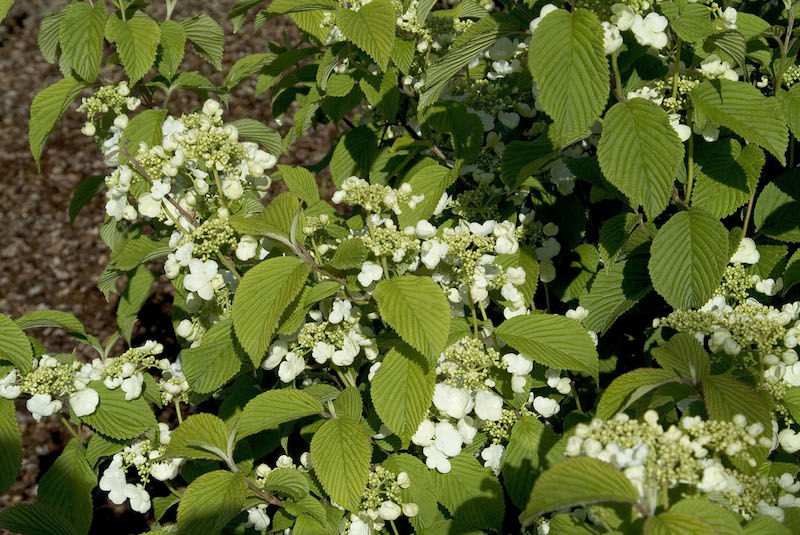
47 264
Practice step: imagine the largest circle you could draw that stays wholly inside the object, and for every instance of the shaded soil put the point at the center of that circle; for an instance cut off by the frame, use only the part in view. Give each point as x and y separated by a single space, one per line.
46 263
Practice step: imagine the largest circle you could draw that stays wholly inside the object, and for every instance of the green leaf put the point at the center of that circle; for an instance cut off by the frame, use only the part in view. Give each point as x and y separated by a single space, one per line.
431 181
353 154
101 446
568 62
83 195
139 250
465 128
723 520
137 40
273 408
5 5
685 357
10 445
522 159
402 390
371 29
692 22
47 108
289 481
133 298
765 525
478 37
471 493
301 182
790 103
145 127
117 418
81 38
207 38
51 318
262 296
745 110
49 31
35 519
256 132
14 345
555 341
687 258
629 387
727 176
350 403
383 92
211 501
421 490
670 523
532 448
247 67
67 486
200 436
215 361
640 153
302 304
614 290
417 309
777 211
577 481
173 48
340 453
350 254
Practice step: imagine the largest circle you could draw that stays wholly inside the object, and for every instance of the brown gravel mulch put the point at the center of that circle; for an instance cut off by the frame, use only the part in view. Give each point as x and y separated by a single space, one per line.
46 263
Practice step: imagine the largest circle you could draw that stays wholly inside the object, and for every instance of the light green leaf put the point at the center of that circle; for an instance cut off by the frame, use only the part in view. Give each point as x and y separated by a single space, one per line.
173 48
745 110
288 481
81 38
723 520
577 481
133 298
670 523
371 29
727 176
49 31
555 341
5 5
765 525
421 490
35 519
215 361
532 448
614 290
777 211
67 486
51 318
145 127
275 407
640 153
137 40
247 67
14 345
200 436
790 103
252 130
117 418
10 445
431 181
417 309
262 296
210 502
692 22
569 64
301 182
340 454
688 257
684 356
402 390
351 254
206 36
302 304
47 108
629 387
471 493
138 251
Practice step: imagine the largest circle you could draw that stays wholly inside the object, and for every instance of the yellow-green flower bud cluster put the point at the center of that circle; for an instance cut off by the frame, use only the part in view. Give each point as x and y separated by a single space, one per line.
736 283
210 238
49 376
114 98
376 198
467 363
500 431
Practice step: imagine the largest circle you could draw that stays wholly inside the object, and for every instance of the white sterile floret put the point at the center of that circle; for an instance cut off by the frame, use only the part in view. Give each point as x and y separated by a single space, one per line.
516 275
292 366
769 287
683 131
8 387
729 17
578 314
340 311
323 352
452 401
508 119
246 248
493 457
549 8
747 253
42 405
649 31
132 386
424 435
549 249
545 406
113 481
517 364
433 253
257 518
166 470
84 402
789 440
488 406
448 440
389 511
623 16
139 498
612 39
200 276
410 510
503 48
275 355
370 272
424 229
346 355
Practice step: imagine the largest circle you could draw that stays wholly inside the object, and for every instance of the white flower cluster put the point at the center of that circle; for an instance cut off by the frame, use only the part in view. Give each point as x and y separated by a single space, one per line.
146 457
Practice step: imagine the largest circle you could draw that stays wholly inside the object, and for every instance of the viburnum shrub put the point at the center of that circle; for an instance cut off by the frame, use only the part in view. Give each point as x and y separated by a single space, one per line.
555 290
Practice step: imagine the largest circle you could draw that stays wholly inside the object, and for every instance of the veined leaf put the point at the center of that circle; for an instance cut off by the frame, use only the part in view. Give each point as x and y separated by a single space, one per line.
629 387
137 40
211 501
215 361
688 256
173 48
47 108
133 298
640 153
198 437
275 407
10 445
568 62
340 453
14 345
669 523
67 486
471 493
117 418
615 289
81 38
727 176
371 29
206 36
777 211
532 448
